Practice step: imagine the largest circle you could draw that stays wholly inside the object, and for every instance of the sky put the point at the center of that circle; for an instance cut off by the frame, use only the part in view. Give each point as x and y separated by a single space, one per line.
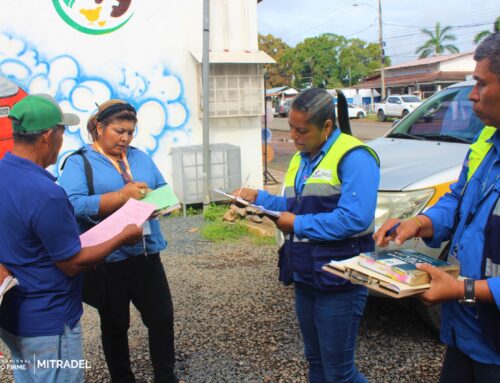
402 20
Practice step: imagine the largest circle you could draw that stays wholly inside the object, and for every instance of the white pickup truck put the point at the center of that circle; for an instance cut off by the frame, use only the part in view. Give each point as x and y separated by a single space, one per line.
396 106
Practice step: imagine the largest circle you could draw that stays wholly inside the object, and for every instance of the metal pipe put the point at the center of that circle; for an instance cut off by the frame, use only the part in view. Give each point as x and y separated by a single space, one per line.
205 78
382 53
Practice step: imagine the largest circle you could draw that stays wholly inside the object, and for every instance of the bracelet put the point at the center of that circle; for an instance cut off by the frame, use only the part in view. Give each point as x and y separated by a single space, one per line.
122 198
419 223
418 220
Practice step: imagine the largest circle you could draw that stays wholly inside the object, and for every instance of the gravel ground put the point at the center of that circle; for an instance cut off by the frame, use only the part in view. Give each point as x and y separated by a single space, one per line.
235 323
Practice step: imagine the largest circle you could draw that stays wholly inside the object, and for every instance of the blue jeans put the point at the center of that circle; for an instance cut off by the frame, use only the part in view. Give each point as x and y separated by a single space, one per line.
329 323
53 358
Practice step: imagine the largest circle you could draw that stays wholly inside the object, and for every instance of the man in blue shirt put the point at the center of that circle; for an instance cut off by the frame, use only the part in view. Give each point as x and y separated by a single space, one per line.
469 216
40 318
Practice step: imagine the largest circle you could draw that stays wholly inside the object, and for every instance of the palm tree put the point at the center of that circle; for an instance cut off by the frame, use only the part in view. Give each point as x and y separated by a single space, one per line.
483 34
437 43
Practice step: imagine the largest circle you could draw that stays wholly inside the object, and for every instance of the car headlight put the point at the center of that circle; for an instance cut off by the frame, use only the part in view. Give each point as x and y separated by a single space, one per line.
401 205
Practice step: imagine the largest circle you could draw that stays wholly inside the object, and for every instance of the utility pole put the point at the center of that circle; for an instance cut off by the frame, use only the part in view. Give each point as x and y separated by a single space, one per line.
382 54
381 43
205 75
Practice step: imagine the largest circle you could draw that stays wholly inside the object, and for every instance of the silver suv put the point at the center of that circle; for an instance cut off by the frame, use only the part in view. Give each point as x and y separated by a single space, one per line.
421 157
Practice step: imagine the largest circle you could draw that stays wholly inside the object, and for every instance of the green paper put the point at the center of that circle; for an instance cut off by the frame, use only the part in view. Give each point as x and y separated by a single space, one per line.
162 198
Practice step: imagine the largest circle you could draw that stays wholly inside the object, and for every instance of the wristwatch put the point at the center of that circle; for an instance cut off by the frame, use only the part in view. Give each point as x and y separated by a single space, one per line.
469 298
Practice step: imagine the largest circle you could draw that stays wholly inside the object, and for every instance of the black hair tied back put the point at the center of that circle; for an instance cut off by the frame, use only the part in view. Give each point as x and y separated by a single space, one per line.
113 109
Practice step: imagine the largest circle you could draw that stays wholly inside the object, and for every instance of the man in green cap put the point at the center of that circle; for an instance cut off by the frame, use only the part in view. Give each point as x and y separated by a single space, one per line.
40 318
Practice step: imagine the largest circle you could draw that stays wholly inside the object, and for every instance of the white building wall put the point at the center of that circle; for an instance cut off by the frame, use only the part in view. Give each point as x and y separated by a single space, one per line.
459 64
233 25
147 61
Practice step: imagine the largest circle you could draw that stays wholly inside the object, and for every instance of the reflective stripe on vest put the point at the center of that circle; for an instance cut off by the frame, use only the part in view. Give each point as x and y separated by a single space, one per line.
369 230
324 180
479 149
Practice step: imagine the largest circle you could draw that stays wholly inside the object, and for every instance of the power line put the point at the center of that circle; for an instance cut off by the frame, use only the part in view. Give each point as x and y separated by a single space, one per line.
308 26
452 26
362 30
458 41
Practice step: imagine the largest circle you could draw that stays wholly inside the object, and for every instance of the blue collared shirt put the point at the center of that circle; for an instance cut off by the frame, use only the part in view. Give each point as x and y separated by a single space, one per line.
458 322
107 179
37 230
360 177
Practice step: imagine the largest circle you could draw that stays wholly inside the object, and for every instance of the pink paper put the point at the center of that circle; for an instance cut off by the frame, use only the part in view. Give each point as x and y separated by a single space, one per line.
133 212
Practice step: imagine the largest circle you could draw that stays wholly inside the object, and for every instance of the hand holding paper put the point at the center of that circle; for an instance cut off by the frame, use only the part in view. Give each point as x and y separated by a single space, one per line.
133 212
132 234
249 195
285 222
270 213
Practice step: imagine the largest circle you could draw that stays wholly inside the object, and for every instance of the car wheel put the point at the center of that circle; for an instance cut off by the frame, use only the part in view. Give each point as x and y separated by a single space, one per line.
360 115
405 113
381 116
431 315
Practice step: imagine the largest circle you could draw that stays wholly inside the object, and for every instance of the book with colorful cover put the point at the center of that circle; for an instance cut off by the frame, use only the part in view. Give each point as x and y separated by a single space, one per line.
400 265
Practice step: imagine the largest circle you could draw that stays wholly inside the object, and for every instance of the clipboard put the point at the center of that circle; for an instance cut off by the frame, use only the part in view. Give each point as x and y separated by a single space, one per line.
351 270
241 201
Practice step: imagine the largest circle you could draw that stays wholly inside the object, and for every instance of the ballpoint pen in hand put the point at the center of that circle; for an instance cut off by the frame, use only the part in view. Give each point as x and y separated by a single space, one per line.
243 186
392 229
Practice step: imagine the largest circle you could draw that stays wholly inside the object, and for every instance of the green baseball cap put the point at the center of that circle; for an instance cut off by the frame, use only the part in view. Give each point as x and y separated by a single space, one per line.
39 112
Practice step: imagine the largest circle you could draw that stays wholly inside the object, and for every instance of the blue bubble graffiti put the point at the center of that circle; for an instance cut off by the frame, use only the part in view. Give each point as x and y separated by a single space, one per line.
158 96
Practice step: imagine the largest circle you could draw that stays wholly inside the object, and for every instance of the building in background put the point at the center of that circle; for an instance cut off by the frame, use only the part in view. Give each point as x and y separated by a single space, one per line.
423 77
84 52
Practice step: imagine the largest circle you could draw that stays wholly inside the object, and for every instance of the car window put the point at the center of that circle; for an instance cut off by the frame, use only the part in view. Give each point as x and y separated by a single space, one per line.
411 99
392 100
448 114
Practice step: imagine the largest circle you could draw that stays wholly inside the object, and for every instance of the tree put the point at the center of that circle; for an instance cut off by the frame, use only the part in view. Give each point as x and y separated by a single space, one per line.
358 60
437 43
315 61
326 60
278 74
483 34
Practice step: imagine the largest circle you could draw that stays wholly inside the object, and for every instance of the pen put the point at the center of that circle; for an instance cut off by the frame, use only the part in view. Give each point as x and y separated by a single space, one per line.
243 186
392 229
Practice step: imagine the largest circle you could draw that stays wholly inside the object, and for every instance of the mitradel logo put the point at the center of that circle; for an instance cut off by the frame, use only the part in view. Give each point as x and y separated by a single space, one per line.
95 17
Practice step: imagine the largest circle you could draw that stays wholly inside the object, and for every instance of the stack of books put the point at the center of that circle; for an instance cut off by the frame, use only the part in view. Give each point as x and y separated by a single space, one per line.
390 272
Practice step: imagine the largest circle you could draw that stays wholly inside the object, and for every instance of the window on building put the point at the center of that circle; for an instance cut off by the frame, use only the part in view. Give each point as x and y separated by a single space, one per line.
236 90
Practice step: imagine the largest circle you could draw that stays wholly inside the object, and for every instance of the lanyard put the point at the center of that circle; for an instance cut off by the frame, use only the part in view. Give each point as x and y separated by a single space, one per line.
115 163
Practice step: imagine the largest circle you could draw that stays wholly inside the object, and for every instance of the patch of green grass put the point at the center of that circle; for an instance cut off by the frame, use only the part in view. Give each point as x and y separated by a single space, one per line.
214 212
263 241
194 210
219 231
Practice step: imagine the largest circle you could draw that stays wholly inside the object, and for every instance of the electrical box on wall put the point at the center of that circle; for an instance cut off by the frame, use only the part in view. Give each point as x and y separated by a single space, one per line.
187 162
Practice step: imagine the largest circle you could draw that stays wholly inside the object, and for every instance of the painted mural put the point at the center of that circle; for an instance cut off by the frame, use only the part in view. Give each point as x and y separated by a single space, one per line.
158 95
95 16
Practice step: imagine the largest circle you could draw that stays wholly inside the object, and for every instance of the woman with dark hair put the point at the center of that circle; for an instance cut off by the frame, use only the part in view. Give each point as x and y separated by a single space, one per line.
132 273
327 214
